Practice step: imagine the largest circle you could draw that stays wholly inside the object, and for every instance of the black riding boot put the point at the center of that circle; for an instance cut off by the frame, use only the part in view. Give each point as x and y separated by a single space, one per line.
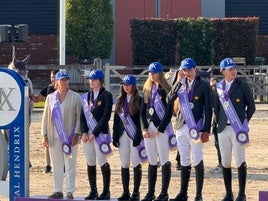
152 174
178 159
137 181
227 178
91 173
185 177
125 182
106 176
166 175
217 148
242 177
199 171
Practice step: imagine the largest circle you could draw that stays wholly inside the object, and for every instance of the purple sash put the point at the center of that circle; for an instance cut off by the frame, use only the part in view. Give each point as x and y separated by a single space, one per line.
103 140
187 114
58 123
130 130
160 111
241 130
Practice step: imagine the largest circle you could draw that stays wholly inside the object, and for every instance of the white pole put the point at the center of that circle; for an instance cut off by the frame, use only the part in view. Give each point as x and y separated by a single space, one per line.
62 31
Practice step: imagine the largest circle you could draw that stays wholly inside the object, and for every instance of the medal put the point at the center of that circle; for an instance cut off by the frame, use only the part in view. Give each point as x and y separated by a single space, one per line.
125 122
90 115
151 111
242 137
191 105
66 149
105 148
193 133
172 140
226 104
143 153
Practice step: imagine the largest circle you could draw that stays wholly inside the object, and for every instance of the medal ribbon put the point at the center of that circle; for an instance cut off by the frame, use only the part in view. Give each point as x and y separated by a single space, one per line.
92 102
160 111
187 112
125 108
228 107
103 140
191 91
130 130
225 92
58 123
153 95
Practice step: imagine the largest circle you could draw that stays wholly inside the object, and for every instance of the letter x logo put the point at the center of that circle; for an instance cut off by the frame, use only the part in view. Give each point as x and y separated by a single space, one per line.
4 99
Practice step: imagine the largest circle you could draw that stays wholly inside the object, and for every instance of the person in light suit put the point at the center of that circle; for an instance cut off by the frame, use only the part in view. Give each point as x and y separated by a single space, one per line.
61 131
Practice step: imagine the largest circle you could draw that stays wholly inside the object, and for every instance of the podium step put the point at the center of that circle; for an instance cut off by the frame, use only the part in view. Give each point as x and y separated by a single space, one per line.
44 198
263 195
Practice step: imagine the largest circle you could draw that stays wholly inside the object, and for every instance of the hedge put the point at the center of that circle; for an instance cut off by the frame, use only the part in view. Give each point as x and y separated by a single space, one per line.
205 40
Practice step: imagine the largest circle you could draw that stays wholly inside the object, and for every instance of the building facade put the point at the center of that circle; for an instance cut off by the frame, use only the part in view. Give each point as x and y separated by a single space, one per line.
42 17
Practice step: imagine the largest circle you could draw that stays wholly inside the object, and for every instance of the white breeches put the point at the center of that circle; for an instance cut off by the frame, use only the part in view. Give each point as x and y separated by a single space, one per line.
127 151
227 142
93 153
157 146
186 146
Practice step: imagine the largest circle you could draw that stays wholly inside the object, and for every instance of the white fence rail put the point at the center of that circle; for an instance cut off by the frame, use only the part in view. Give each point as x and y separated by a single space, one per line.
115 74
256 76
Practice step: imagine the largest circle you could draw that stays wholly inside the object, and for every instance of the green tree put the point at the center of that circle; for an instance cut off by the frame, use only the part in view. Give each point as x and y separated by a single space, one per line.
89 28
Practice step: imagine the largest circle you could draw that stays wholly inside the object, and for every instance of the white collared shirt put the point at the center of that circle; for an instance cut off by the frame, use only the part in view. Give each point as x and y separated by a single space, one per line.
96 93
228 85
190 84
128 98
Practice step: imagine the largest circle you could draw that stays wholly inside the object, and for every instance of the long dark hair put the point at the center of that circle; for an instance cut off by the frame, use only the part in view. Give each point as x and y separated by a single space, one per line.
134 104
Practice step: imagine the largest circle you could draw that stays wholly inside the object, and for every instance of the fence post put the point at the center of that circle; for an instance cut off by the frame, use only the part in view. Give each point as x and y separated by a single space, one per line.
98 63
107 76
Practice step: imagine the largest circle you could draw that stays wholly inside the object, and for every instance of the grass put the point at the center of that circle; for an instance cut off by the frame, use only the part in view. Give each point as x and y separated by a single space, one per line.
40 104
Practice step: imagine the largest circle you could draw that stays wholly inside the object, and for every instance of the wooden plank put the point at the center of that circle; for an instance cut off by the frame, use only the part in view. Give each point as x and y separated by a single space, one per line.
240 60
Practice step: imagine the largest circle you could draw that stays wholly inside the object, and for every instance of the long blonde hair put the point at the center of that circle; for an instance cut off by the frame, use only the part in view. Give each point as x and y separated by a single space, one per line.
147 87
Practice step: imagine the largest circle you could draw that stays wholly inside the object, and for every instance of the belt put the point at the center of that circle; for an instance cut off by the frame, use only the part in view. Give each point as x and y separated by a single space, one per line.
228 124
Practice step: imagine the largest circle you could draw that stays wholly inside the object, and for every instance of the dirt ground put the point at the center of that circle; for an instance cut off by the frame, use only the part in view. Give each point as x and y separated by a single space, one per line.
41 184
